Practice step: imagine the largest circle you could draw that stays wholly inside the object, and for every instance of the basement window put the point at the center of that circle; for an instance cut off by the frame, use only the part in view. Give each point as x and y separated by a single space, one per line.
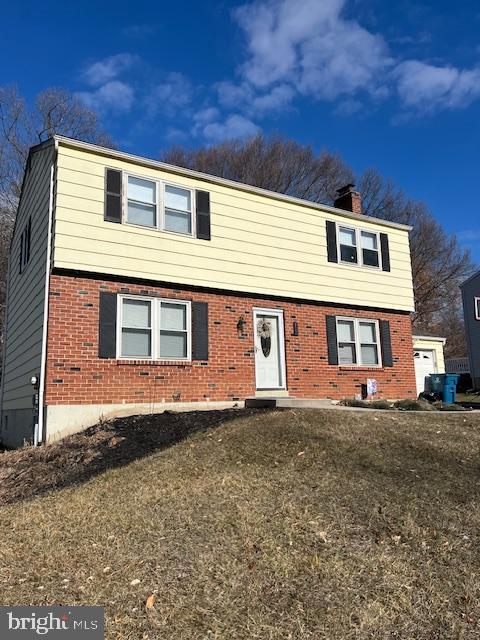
358 342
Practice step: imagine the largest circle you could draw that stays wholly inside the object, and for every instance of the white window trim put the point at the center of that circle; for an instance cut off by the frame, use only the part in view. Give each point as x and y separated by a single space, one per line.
160 204
155 328
358 244
476 306
125 199
358 350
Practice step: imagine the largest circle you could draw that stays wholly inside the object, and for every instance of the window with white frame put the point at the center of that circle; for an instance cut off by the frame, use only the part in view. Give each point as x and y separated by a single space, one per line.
141 202
357 246
369 242
154 329
145 199
348 245
177 209
136 333
358 342
477 308
173 330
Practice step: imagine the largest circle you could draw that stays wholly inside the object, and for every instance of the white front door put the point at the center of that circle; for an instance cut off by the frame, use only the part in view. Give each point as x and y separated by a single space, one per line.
269 349
424 366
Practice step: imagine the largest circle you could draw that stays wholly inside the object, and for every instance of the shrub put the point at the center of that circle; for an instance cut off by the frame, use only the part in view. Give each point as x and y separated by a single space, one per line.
353 402
413 405
448 407
381 404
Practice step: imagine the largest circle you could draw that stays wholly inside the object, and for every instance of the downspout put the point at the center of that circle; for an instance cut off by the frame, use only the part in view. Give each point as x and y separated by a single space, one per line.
40 432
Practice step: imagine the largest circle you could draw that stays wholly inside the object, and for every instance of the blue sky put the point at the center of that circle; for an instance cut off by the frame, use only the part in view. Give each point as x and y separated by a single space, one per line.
394 85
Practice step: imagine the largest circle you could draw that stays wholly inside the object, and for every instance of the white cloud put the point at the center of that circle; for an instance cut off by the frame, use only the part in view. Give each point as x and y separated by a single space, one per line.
234 126
277 99
309 47
170 96
112 96
108 69
425 87
309 43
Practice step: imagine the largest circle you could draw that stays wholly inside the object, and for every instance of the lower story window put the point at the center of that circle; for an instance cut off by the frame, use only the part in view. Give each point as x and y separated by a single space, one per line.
154 329
358 342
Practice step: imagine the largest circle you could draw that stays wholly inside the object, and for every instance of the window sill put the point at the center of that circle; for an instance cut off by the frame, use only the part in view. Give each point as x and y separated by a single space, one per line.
360 367
154 363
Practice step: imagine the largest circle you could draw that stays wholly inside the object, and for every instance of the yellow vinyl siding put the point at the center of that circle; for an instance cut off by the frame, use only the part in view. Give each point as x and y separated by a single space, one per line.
432 344
259 244
26 291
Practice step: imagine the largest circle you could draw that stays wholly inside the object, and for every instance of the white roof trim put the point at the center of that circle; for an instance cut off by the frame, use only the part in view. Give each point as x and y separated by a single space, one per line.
156 164
432 338
472 277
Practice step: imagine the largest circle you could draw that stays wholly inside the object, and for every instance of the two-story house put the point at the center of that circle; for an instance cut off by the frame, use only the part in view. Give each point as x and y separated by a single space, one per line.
471 313
135 286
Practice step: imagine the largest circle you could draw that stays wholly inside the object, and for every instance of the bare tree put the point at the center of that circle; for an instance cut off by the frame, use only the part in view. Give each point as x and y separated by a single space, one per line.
439 264
273 163
55 111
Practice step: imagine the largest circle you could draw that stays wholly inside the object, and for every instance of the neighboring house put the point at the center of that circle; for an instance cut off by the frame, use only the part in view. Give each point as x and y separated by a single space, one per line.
471 311
428 357
136 286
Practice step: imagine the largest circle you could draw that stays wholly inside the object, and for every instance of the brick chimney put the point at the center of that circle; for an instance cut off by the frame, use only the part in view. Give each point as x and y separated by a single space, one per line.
348 199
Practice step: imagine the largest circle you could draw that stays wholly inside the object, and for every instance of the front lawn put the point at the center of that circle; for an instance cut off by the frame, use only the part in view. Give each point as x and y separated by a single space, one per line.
300 524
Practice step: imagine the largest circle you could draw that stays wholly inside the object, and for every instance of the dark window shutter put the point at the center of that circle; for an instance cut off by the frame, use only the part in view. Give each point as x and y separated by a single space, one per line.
107 330
385 252
199 331
203 214
386 343
331 241
332 340
113 196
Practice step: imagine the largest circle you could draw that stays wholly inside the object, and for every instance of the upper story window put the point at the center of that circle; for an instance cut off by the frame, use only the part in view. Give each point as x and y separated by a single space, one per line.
141 202
25 245
154 329
369 242
358 246
358 342
159 205
178 209
477 308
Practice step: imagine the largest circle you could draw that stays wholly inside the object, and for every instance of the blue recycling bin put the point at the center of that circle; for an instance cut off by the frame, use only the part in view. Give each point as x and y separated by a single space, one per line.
450 387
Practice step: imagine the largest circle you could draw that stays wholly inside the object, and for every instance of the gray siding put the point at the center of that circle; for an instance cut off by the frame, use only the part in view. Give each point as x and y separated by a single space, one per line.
25 303
470 291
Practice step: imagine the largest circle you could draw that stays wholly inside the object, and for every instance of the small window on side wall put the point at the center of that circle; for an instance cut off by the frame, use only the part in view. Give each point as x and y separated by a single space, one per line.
25 246
477 308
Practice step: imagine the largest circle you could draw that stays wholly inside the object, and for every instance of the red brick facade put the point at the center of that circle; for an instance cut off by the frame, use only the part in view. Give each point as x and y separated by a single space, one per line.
76 375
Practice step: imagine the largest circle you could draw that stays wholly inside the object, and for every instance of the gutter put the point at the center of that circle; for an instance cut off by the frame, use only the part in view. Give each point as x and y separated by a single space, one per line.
39 434
189 173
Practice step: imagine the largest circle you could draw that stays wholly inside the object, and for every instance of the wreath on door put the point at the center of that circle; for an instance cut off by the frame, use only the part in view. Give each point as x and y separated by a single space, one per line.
264 331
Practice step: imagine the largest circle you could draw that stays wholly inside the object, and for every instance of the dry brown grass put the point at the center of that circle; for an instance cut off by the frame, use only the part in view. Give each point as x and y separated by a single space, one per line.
303 524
